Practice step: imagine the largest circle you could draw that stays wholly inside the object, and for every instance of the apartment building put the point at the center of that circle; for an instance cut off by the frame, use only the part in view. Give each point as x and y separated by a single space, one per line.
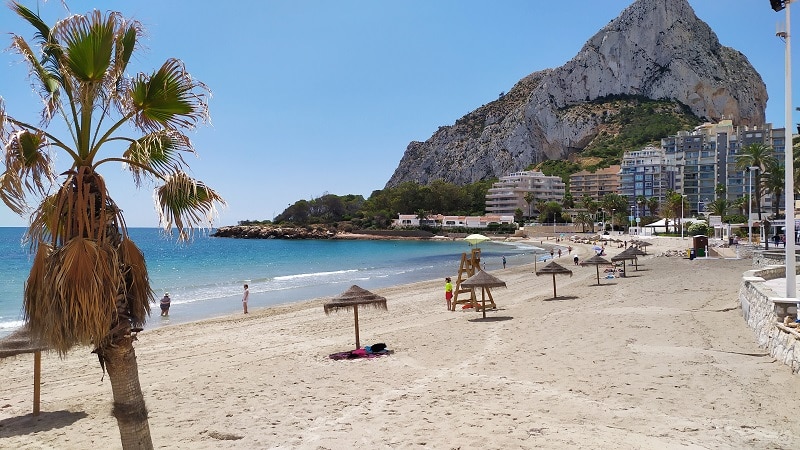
595 184
647 173
704 158
508 194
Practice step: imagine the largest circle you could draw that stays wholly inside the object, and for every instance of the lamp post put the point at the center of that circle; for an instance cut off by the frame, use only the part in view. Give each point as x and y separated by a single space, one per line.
682 202
789 248
632 214
750 171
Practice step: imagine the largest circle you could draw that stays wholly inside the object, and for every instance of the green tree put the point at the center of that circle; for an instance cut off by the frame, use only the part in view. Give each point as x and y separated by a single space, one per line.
719 207
641 202
772 182
88 283
583 220
755 155
653 205
519 216
529 199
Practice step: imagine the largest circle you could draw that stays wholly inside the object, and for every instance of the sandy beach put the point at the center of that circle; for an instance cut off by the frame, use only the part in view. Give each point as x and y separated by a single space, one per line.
659 359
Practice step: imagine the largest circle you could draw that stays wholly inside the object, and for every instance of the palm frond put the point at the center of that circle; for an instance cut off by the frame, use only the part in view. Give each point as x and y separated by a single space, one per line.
186 203
157 152
88 43
48 81
74 302
168 98
137 282
41 221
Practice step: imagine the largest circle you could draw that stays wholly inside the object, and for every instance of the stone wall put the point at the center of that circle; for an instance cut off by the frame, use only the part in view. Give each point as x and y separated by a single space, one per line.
759 313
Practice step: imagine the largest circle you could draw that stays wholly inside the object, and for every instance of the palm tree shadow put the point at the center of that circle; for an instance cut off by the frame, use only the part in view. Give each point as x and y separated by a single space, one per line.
561 297
491 319
604 284
29 424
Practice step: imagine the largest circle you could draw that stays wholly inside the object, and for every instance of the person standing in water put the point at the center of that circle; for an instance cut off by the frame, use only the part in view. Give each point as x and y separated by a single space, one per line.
245 297
165 302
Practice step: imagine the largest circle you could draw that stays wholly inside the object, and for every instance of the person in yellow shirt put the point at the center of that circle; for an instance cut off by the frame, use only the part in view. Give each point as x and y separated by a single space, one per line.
448 292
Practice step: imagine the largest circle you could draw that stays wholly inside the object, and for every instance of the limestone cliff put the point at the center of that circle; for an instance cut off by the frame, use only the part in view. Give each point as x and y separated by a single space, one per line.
656 49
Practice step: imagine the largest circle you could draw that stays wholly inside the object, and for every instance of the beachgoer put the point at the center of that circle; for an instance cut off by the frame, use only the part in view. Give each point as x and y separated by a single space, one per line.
165 302
569 250
575 258
448 292
245 297
504 261
551 253
559 253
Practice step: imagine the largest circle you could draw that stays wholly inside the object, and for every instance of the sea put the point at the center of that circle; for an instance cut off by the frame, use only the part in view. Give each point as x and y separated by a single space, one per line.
205 277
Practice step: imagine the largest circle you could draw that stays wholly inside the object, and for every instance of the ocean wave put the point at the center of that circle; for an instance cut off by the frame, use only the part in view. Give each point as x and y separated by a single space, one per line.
313 275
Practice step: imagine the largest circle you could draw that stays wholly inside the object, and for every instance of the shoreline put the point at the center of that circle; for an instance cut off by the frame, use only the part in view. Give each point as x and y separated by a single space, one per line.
661 358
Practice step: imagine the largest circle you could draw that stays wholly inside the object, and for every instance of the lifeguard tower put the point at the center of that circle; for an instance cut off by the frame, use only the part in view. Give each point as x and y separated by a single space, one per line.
469 266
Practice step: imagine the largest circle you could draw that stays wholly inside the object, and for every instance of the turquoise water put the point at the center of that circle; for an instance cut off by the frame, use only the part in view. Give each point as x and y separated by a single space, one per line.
205 278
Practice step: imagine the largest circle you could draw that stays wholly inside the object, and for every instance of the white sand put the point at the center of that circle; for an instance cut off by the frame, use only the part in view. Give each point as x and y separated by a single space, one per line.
660 359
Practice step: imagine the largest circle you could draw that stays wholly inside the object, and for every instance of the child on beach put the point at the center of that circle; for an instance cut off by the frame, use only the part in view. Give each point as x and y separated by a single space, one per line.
245 297
448 292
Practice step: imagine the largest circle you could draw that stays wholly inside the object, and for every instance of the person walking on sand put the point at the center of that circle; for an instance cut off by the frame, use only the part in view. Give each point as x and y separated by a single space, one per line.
559 253
448 292
245 297
576 259
504 261
165 302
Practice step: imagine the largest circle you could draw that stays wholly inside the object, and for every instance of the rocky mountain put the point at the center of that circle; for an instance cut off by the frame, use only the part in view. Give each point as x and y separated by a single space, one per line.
657 49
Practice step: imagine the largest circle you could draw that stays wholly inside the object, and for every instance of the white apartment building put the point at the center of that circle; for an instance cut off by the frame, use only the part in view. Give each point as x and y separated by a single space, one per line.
508 194
441 221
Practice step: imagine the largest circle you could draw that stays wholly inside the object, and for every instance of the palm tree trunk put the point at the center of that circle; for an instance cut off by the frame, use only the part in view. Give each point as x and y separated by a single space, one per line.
129 408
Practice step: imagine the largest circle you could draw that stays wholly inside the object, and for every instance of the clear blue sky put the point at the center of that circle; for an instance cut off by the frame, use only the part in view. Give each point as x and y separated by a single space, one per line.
315 97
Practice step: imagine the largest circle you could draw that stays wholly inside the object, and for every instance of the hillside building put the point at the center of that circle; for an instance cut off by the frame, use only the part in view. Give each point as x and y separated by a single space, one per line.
594 184
508 194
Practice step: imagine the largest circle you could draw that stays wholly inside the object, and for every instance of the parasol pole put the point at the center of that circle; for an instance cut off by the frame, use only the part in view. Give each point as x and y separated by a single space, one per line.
554 285
355 314
37 380
597 266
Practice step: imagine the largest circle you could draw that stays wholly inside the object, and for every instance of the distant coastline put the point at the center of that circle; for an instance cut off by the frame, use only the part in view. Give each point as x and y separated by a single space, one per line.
316 232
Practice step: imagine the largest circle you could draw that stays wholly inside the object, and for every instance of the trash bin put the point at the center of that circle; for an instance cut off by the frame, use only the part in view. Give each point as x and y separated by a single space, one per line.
699 243
691 253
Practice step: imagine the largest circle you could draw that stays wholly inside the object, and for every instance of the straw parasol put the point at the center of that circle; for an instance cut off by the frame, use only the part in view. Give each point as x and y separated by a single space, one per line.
643 245
483 280
475 239
555 269
19 342
597 261
624 256
351 299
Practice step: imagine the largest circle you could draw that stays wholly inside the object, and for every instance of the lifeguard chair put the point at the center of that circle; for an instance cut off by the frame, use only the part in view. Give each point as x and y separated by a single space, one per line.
469 266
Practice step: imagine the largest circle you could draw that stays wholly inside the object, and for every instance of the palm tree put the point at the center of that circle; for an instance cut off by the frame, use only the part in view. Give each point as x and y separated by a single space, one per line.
529 198
772 182
583 219
755 155
652 205
719 207
741 204
88 283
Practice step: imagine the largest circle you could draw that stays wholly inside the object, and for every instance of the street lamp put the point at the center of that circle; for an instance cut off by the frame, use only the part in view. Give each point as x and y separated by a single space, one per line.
788 165
683 196
632 213
750 171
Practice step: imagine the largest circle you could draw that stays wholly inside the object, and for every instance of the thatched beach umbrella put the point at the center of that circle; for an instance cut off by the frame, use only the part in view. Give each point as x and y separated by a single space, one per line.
635 252
351 299
19 342
643 245
555 269
624 256
484 280
597 261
